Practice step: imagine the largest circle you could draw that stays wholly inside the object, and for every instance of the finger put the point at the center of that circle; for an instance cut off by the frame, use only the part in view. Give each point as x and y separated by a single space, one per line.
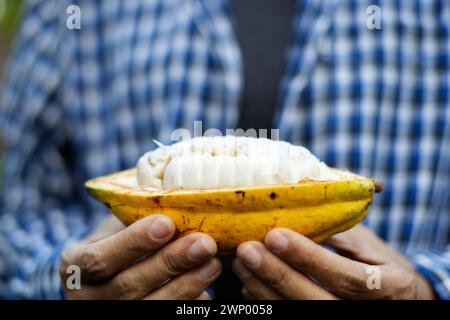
102 259
278 275
360 244
190 284
204 296
176 258
344 276
254 288
246 295
111 226
395 282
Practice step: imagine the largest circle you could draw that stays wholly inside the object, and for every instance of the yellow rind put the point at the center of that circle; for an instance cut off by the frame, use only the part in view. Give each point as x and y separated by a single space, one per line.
231 216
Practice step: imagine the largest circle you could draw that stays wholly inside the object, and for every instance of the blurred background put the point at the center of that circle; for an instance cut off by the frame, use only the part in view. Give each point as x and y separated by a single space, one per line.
9 19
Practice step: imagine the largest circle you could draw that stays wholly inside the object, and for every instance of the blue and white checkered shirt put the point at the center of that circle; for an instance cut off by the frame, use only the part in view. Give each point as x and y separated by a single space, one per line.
82 103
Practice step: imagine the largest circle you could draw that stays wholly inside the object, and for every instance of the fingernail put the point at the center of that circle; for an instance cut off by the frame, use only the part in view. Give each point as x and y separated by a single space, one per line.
200 249
240 270
249 255
160 228
277 241
208 270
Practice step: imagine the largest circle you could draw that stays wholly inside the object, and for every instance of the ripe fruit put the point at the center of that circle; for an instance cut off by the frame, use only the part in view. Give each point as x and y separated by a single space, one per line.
231 215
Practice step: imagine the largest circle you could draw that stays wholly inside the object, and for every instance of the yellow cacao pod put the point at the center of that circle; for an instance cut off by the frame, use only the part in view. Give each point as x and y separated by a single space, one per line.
316 209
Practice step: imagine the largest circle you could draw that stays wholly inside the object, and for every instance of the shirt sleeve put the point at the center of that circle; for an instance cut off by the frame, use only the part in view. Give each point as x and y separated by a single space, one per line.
434 265
40 210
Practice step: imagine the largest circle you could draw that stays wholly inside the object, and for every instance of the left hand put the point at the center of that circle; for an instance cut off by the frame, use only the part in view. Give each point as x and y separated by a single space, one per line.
290 266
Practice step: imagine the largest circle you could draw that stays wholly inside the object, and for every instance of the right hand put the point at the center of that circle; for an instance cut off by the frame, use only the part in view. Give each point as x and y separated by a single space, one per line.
137 262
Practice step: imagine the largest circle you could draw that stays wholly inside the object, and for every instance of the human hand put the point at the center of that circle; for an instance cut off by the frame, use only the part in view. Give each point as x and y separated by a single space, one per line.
289 265
138 262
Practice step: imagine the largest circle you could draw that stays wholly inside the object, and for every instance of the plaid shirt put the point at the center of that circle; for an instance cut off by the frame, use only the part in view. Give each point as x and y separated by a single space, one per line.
82 103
